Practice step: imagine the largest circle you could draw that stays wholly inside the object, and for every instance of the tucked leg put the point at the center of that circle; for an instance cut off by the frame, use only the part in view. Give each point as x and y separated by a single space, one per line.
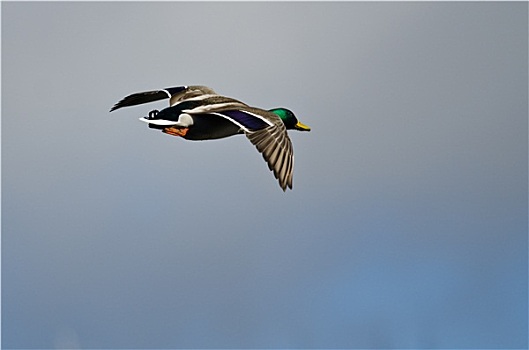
176 131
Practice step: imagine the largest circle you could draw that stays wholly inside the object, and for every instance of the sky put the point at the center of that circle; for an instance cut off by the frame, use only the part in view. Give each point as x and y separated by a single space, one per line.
407 223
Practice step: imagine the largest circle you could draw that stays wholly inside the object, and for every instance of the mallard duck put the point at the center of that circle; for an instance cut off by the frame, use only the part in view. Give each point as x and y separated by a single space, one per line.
199 113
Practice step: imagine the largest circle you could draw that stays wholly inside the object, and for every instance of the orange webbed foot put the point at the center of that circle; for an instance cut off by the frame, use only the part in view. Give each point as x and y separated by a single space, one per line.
176 131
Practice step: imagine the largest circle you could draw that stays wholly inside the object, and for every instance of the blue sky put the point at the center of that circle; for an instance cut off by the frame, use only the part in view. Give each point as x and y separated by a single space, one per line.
407 224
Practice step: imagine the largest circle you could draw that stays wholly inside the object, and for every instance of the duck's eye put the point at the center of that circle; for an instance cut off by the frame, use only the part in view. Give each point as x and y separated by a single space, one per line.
153 113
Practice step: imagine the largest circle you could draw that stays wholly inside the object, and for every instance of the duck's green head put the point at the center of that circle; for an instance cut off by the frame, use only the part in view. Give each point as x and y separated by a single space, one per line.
289 119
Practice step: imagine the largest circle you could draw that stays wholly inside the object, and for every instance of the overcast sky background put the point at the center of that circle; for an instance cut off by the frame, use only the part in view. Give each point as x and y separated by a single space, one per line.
407 224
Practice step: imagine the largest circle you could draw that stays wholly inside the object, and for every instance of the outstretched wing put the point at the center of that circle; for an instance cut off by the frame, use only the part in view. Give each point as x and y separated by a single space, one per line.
175 94
275 146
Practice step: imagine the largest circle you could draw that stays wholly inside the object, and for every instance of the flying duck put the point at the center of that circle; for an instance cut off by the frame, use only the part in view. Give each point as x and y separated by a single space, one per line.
199 113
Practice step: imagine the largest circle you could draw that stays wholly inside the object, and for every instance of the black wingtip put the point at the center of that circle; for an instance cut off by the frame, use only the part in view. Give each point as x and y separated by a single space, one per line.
144 97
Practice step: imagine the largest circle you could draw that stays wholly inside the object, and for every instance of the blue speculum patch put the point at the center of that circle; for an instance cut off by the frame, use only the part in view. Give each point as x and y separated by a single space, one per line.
247 120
